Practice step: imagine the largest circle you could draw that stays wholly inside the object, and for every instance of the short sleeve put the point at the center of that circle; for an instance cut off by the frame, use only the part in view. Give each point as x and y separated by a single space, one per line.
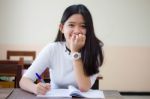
40 63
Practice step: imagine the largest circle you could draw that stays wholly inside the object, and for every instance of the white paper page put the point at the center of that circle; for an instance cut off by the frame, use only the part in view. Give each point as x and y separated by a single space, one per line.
56 93
93 94
89 94
74 91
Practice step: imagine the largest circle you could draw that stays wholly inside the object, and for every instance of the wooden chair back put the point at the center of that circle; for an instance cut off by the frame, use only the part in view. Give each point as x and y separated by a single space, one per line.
11 53
12 70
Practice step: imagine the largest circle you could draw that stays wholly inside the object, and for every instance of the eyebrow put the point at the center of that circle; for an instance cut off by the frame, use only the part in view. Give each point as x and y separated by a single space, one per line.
75 22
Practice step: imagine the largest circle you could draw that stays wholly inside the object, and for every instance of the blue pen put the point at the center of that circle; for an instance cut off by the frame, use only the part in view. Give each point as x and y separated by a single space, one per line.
39 77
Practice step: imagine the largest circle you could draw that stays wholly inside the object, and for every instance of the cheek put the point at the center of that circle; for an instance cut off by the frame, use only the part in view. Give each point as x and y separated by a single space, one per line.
84 31
68 33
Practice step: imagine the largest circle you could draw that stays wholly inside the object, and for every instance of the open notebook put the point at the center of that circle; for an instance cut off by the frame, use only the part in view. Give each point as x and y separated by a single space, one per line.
73 92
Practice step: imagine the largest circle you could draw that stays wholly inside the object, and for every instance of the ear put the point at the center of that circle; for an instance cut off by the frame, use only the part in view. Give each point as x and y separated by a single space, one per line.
61 28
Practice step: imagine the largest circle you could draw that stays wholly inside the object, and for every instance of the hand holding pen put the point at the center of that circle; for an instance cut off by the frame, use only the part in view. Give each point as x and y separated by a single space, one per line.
39 78
42 87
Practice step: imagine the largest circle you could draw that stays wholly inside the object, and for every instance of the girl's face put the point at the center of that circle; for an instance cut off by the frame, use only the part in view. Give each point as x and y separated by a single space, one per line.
74 25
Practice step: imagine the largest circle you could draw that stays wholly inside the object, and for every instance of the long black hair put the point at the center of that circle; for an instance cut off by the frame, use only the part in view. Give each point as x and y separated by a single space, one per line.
91 53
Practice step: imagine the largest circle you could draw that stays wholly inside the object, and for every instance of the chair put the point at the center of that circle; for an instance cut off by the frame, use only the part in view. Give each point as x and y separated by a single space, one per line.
22 54
96 84
11 62
11 70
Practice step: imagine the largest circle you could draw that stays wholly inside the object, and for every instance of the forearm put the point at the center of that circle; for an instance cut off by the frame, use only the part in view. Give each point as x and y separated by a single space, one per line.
83 81
28 85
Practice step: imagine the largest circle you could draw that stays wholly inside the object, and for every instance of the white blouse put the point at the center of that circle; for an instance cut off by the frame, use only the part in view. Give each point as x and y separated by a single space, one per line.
58 60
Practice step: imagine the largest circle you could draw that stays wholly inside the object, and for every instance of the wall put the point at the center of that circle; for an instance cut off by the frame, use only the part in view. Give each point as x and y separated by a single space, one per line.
123 26
126 69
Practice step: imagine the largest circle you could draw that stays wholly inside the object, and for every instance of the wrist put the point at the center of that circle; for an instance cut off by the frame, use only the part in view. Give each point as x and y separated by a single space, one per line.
73 51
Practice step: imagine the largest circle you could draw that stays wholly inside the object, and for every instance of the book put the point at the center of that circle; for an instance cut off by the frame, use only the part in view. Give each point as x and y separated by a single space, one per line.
73 92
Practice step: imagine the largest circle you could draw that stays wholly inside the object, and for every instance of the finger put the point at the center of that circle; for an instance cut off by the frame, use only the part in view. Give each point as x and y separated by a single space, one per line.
77 37
80 35
47 86
83 37
42 88
73 37
38 90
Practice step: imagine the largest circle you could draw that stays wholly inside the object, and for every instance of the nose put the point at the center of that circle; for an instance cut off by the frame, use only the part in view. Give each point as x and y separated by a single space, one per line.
77 30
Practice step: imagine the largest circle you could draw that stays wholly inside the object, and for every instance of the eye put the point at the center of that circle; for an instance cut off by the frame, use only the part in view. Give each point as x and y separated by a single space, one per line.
83 26
70 25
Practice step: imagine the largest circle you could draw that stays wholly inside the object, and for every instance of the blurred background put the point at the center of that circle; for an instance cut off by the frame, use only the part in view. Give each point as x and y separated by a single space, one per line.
123 26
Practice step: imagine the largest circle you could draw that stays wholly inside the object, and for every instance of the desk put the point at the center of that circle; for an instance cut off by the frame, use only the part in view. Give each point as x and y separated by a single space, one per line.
21 94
